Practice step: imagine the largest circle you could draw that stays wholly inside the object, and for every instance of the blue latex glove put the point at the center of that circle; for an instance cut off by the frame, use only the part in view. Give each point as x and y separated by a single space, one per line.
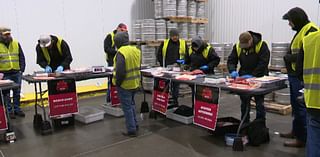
234 74
48 69
205 67
59 69
180 61
246 76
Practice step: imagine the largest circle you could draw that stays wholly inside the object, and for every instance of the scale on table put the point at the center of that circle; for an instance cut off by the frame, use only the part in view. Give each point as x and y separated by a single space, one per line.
98 69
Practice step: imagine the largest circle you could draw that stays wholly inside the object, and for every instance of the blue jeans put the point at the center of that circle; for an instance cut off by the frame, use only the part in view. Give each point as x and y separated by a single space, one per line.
129 108
245 103
175 92
16 77
299 126
313 141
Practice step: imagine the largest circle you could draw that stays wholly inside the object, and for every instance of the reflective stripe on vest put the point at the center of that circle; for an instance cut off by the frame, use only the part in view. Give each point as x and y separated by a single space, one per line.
311 70
112 39
257 48
182 48
205 52
46 53
132 56
296 45
9 57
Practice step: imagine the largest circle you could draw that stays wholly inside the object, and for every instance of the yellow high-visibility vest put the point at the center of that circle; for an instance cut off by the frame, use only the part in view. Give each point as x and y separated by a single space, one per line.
296 45
205 52
46 53
112 42
311 70
9 56
257 48
132 56
182 48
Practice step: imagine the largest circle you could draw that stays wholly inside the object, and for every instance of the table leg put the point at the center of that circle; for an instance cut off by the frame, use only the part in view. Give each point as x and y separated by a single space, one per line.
46 125
37 118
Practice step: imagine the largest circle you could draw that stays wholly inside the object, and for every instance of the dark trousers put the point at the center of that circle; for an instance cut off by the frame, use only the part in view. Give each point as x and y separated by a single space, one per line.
245 104
299 113
15 77
175 92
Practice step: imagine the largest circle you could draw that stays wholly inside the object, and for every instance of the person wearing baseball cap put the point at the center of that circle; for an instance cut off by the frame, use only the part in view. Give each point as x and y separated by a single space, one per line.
109 46
53 54
253 55
12 65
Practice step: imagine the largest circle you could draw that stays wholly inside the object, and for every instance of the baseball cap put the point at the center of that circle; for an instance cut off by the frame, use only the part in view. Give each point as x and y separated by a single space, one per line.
5 30
45 40
244 39
123 27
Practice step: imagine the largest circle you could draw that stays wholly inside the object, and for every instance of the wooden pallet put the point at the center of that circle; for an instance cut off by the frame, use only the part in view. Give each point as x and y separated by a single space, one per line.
282 70
201 0
137 42
223 67
154 42
199 20
275 108
179 19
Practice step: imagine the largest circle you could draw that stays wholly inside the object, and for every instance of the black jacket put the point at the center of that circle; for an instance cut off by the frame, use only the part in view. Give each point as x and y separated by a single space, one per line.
55 58
109 49
196 59
172 54
299 19
251 62
22 62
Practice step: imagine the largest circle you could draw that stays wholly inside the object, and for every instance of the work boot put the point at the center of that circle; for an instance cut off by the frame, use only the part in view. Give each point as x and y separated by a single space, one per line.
287 135
295 143
20 113
130 134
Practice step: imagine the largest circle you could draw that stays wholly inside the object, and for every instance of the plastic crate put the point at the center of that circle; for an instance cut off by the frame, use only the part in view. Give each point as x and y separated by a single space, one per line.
113 111
179 118
89 114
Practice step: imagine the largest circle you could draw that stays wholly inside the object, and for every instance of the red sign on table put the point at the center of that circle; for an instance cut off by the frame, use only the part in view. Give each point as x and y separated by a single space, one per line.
114 96
3 117
62 97
160 95
206 106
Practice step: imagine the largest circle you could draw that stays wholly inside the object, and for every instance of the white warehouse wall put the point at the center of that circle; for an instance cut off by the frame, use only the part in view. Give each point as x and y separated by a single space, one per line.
228 18
82 23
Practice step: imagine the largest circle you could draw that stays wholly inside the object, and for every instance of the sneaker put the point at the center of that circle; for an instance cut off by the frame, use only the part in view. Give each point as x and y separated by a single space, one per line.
12 116
295 143
20 113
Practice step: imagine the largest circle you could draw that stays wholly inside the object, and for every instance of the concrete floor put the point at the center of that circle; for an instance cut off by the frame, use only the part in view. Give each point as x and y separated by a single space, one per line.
157 138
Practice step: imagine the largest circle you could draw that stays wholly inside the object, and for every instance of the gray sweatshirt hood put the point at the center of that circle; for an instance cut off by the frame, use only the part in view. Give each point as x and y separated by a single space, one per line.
121 39
197 41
